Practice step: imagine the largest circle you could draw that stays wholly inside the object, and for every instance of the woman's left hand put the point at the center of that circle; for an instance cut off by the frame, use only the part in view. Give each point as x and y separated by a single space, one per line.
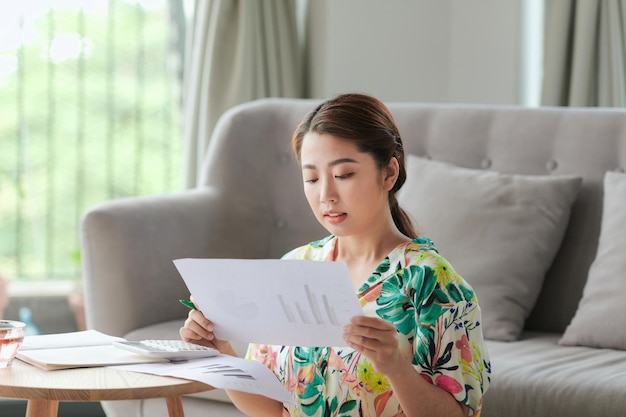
376 339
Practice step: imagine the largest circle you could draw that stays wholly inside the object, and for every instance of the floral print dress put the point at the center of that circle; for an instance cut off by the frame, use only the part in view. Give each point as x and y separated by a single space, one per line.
438 322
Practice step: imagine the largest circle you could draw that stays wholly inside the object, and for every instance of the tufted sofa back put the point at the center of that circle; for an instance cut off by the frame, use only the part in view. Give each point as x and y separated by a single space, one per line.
250 164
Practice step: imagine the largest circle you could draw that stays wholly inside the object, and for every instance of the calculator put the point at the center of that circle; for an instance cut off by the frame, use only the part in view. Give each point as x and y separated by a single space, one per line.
175 350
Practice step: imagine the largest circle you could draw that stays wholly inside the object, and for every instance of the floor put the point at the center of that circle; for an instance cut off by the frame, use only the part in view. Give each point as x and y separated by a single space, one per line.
17 408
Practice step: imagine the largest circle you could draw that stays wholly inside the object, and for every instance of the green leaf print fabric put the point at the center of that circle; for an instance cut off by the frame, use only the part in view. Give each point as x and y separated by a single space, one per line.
438 322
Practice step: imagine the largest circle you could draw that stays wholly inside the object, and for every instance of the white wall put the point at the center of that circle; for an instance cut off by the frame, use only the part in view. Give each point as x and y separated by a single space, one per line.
417 50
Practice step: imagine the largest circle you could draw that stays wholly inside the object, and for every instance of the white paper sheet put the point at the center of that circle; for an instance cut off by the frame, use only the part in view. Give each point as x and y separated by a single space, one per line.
71 339
76 350
82 356
270 301
221 371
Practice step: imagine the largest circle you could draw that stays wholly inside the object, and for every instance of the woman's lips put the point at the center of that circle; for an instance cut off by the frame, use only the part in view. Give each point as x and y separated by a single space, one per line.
335 218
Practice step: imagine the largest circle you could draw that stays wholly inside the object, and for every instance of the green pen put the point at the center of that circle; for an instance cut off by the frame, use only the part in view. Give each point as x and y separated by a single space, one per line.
188 304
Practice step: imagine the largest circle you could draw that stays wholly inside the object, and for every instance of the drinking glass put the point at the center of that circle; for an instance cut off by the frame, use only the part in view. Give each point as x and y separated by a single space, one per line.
11 337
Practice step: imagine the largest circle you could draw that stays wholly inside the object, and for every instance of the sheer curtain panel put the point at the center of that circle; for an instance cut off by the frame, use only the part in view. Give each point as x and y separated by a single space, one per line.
237 51
585 53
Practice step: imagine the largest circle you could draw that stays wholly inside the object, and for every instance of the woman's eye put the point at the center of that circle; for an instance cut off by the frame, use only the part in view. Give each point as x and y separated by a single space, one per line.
311 181
344 176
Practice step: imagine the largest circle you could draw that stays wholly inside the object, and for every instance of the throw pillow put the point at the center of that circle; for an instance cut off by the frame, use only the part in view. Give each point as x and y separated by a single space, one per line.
596 322
499 231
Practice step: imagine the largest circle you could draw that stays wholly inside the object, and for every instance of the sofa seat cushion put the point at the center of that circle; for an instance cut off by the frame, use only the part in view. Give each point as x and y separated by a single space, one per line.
535 376
169 330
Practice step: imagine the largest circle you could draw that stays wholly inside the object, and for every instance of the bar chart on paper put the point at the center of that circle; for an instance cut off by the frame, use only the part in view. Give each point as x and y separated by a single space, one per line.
284 302
315 309
227 371
221 371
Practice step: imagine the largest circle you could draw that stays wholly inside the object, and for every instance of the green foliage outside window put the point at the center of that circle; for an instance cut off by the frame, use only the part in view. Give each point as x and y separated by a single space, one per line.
89 111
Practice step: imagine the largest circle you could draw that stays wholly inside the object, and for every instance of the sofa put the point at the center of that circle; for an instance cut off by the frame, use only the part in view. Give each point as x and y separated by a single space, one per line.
526 203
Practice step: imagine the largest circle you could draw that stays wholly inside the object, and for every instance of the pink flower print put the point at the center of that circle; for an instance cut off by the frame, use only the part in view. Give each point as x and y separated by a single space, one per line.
305 377
444 382
335 362
265 355
463 345
448 383
381 401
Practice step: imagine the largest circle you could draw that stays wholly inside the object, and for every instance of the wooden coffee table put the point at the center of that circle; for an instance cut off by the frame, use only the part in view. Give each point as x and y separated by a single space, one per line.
44 389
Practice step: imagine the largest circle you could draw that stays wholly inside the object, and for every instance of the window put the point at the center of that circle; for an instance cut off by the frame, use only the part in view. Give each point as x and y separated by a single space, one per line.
90 111
531 71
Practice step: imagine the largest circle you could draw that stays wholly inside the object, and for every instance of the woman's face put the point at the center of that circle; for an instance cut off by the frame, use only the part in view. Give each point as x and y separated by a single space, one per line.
345 189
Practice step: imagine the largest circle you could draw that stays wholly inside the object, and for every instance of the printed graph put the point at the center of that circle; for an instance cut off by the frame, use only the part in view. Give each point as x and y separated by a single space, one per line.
227 371
316 310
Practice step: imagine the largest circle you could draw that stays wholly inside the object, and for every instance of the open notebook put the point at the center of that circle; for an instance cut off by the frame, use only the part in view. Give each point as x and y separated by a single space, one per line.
88 348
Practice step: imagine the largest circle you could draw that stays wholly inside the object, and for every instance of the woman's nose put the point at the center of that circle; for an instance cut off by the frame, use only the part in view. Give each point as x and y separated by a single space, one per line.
328 191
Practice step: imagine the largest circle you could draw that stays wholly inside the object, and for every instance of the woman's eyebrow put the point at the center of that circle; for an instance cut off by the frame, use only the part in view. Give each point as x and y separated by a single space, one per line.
333 163
343 161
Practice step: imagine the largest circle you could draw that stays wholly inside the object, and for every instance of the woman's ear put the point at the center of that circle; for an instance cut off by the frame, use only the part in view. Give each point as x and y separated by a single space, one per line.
391 173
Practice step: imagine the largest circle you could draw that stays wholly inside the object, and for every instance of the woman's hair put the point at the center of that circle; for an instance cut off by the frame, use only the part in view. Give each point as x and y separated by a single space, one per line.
367 122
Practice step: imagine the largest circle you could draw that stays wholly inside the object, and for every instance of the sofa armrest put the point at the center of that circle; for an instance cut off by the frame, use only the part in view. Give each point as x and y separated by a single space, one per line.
127 249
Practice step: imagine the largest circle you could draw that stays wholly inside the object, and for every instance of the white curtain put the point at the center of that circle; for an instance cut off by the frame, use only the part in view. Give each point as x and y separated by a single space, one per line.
585 53
237 51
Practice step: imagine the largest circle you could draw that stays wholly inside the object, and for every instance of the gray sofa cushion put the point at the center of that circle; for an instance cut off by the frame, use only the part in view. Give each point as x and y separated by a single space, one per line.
536 376
499 231
596 321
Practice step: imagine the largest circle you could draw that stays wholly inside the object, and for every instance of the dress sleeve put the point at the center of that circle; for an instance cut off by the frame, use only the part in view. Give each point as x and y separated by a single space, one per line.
449 347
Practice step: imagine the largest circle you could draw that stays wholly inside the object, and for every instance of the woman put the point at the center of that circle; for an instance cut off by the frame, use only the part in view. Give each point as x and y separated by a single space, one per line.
418 350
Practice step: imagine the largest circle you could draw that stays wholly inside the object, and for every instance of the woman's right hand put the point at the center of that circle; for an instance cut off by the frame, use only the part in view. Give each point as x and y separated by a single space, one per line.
199 330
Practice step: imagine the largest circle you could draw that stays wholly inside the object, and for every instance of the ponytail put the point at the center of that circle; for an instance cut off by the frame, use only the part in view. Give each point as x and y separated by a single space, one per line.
401 218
